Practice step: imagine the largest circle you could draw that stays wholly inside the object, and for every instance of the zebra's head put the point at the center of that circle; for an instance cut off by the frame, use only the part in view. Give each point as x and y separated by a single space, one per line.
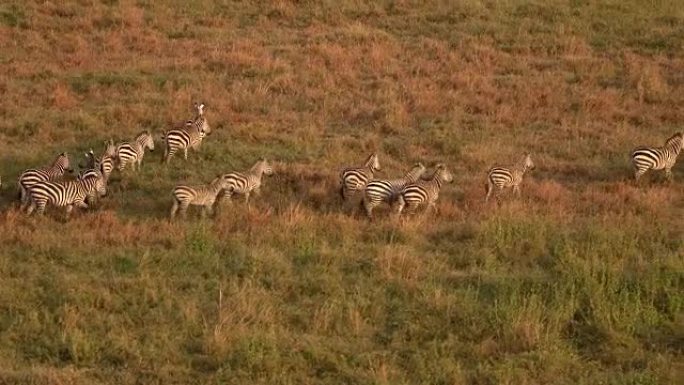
63 162
110 148
676 141
199 107
264 166
90 160
373 162
527 162
416 172
443 174
146 141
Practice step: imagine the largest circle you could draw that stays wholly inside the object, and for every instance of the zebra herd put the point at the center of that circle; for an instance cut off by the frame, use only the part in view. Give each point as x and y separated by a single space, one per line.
39 187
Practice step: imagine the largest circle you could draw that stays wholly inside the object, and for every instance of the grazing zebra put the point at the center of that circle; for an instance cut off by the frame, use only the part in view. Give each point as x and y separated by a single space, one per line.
133 152
69 193
354 180
658 158
423 190
202 195
32 176
500 177
189 135
247 182
378 191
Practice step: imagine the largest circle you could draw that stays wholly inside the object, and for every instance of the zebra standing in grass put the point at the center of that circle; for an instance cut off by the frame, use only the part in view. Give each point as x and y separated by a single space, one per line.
247 182
189 135
354 180
203 195
378 191
133 152
658 158
32 176
423 191
70 193
500 177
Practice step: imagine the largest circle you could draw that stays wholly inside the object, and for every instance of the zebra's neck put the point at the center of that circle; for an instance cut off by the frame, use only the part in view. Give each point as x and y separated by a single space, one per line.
674 146
139 145
56 170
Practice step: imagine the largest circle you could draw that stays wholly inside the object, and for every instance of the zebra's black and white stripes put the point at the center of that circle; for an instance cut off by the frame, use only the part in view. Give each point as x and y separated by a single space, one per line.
658 158
202 195
379 191
68 193
189 136
354 180
133 152
32 176
423 191
499 178
247 182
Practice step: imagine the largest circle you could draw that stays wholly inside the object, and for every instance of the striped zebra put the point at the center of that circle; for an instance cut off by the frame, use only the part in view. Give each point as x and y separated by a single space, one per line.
202 195
69 193
246 182
499 178
133 152
354 179
423 191
658 158
379 191
189 135
32 176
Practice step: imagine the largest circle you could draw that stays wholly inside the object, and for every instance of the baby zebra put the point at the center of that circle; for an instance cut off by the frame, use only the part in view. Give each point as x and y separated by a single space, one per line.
423 190
70 193
32 176
499 177
378 191
189 135
354 180
246 182
658 158
203 195
133 152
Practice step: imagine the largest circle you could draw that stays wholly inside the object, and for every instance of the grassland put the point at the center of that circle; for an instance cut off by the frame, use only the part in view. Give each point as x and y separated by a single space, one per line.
578 282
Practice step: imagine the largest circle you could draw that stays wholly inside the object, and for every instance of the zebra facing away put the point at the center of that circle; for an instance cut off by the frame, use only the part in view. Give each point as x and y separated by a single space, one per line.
202 195
104 163
379 191
423 191
355 179
188 135
32 176
499 178
133 152
70 193
658 158
245 183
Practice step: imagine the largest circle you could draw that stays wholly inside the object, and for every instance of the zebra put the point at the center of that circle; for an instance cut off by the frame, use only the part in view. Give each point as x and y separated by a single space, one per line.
133 152
501 177
32 176
248 181
69 193
203 195
423 190
189 135
378 191
658 158
354 179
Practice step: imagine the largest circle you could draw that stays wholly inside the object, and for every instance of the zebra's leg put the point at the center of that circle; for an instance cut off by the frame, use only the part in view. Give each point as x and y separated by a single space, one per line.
401 203
185 153
489 188
165 154
184 210
368 206
69 209
516 190
668 175
40 207
31 207
247 197
638 173
174 209
342 194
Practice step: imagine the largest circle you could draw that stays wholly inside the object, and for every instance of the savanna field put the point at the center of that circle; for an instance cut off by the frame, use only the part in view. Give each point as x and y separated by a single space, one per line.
580 281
